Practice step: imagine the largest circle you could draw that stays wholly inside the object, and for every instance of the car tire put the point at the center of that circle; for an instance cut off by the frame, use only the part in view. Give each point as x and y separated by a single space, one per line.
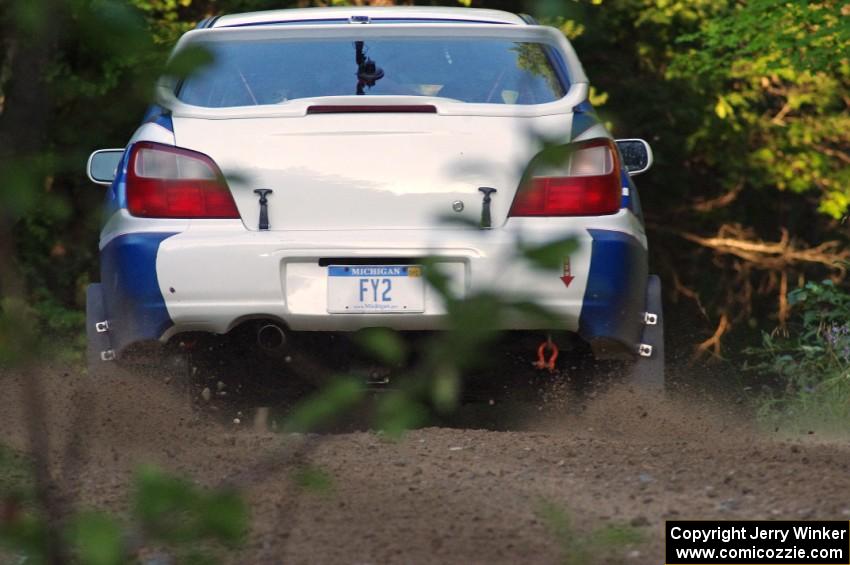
96 342
647 373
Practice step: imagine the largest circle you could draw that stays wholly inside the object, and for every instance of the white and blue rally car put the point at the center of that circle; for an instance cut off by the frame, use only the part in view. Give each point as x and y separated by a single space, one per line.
303 176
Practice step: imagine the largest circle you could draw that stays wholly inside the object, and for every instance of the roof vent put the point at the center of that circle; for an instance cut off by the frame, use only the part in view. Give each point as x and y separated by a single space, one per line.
359 19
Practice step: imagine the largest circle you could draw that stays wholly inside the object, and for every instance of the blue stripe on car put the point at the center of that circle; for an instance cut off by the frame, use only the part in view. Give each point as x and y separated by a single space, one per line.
616 288
626 183
116 196
156 114
584 118
582 121
134 304
585 107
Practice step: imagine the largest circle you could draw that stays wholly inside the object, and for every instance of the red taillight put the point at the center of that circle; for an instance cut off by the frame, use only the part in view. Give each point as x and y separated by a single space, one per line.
588 185
170 182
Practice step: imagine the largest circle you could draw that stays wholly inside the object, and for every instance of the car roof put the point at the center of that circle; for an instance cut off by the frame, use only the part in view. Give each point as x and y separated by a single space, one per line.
393 14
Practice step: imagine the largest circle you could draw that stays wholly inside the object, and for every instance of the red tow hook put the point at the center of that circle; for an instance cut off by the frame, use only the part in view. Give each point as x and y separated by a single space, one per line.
541 362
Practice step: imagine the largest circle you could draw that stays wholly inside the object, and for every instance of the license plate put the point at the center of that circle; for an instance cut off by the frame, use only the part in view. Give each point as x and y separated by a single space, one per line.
364 289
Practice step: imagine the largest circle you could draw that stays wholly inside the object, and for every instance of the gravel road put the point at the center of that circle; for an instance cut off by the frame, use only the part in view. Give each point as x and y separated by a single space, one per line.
441 494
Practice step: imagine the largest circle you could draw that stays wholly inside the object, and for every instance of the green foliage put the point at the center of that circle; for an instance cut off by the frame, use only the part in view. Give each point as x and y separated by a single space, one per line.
25 535
313 479
17 331
571 28
401 410
324 406
170 513
812 363
188 61
777 74
803 35
384 344
98 539
746 107
21 531
534 60
97 60
751 91
15 479
174 510
549 256
585 547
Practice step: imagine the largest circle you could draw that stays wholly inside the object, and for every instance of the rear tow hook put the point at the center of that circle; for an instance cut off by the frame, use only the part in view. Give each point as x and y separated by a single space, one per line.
542 363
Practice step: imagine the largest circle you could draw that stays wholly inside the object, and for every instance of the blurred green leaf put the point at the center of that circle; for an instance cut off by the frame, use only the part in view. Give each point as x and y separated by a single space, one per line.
18 331
384 344
550 255
314 479
460 221
445 388
796 296
554 155
616 535
325 405
25 534
399 411
582 546
30 16
97 539
535 311
174 510
22 530
189 60
162 502
476 318
224 516
436 278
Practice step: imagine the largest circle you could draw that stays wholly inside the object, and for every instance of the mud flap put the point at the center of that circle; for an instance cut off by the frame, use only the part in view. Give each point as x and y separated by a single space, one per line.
647 372
98 346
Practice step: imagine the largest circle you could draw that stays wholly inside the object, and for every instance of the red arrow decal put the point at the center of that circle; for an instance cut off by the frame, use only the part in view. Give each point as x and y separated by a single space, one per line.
567 278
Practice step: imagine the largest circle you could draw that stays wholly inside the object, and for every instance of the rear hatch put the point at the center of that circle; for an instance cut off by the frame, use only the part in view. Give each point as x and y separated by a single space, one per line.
487 93
367 171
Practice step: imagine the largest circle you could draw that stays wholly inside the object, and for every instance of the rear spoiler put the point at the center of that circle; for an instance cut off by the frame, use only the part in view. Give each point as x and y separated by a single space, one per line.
576 94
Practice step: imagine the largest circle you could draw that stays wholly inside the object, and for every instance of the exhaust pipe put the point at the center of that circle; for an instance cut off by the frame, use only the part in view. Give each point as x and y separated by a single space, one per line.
271 338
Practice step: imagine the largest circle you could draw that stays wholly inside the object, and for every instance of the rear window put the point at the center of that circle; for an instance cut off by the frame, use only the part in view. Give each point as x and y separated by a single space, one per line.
489 71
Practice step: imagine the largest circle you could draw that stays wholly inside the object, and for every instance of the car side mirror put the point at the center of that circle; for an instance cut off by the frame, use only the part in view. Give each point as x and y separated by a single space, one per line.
103 165
637 155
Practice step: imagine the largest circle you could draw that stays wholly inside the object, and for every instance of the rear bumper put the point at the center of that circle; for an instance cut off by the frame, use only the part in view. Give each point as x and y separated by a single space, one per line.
213 277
